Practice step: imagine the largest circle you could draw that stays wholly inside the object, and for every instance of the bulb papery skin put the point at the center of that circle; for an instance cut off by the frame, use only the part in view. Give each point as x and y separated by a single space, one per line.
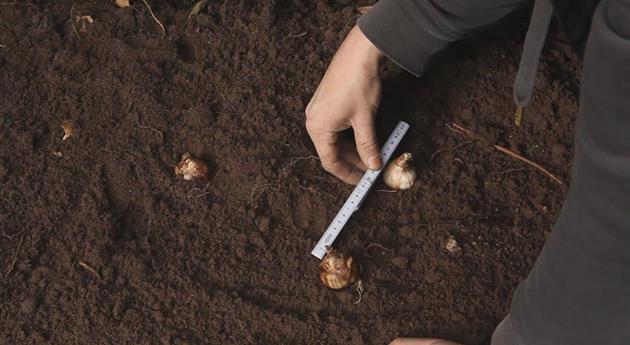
68 130
338 271
399 174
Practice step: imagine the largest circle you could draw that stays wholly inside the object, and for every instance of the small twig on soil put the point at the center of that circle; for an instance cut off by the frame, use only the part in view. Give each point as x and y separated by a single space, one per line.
15 256
319 190
202 192
377 245
90 269
358 288
507 171
326 179
285 170
72 22
2 46
386 191
153 15
301 34
255 188
457 128
158 132
534 164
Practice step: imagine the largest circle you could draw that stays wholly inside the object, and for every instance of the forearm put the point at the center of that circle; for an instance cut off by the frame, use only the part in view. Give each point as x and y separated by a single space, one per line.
410 31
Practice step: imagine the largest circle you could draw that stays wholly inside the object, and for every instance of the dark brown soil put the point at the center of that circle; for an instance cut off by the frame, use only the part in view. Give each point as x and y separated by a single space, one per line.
101 244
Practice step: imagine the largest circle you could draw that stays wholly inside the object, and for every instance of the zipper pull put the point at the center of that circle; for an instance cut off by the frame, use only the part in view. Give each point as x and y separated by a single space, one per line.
518 115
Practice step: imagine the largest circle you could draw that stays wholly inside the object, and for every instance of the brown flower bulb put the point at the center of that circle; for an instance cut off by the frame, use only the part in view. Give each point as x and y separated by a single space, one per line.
338 271
191 168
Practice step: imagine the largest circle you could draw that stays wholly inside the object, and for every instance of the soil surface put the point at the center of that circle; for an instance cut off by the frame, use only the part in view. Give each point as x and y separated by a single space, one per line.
101 244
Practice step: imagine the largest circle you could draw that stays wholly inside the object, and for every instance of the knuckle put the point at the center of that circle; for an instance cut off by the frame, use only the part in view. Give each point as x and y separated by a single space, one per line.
311 124
310 111
367 145
328 166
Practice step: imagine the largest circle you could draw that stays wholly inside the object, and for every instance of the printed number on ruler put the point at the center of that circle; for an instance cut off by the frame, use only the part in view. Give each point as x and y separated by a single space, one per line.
359 193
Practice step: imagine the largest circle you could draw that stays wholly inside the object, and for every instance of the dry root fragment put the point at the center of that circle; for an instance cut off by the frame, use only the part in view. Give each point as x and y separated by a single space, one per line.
197 8
153 15
358 288
68 129
191 168
338 271
452 246
122 3
90 269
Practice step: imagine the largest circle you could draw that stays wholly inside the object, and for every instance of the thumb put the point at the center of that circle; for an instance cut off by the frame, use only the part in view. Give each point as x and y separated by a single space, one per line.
367 144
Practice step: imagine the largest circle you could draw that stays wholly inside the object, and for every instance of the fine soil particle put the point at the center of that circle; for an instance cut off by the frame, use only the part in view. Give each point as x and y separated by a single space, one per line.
226 261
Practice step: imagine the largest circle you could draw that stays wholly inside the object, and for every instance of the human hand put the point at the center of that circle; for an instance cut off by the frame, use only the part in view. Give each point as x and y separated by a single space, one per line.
348 96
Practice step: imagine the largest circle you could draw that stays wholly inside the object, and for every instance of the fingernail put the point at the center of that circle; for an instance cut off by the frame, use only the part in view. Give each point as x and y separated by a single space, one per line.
374 163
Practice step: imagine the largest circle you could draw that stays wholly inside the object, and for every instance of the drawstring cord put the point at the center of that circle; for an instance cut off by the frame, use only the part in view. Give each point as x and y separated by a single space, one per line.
534 41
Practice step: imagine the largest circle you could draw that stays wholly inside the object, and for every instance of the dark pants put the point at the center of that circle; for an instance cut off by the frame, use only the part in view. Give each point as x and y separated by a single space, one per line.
578 292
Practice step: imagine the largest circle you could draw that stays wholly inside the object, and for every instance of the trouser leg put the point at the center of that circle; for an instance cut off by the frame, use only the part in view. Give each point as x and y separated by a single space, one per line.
578 291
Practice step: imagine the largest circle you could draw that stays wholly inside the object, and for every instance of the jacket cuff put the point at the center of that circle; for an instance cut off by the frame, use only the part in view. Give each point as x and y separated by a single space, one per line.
408 32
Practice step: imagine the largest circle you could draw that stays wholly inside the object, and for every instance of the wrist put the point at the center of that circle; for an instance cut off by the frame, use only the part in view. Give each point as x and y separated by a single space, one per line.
371 56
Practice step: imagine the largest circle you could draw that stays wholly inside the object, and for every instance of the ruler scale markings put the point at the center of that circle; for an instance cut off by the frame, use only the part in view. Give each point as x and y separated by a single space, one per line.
359 193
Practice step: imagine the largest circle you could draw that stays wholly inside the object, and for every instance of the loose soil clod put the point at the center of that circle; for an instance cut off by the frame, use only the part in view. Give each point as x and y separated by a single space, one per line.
122 3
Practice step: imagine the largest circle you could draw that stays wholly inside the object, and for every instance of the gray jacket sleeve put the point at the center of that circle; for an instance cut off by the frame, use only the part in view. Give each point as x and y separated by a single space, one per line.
410 31
578 292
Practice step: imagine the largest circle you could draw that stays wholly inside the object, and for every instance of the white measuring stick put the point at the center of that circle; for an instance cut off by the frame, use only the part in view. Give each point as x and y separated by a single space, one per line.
359 193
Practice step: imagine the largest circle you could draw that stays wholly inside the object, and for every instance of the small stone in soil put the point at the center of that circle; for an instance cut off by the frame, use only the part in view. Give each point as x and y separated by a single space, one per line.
263 224
400 262
452 246
406 232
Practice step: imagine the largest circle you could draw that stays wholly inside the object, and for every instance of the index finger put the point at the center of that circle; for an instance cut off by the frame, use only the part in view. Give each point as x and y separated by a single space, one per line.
328 150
